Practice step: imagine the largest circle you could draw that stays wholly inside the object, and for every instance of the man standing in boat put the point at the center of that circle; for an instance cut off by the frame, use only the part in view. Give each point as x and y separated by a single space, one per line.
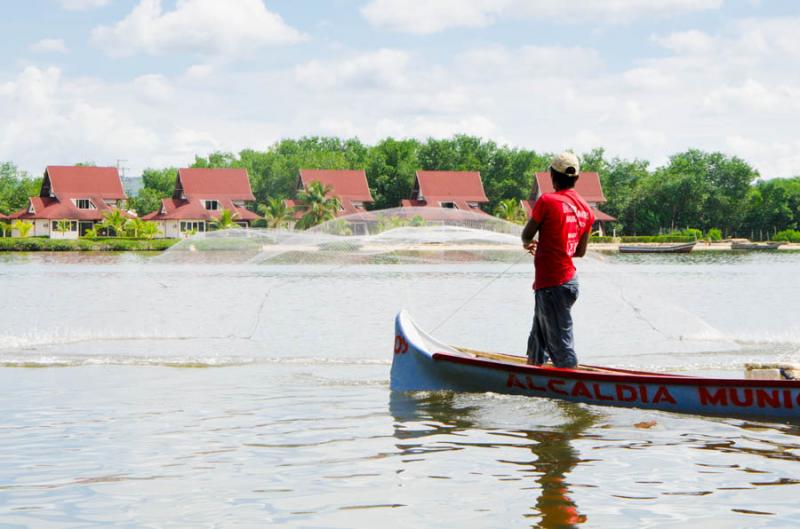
563 221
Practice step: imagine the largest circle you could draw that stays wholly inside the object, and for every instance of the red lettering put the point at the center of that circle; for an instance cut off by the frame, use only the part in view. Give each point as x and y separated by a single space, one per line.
598 395
580 389
787 399
643 393
626 393
532 385
764 397
552 383
514 382
736 401
718 398
663 394
400 345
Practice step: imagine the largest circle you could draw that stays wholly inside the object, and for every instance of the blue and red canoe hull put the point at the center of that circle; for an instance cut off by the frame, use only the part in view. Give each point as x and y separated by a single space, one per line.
422 363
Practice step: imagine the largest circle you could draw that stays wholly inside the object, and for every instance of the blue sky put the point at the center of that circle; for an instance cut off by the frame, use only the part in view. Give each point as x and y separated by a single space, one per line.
156 81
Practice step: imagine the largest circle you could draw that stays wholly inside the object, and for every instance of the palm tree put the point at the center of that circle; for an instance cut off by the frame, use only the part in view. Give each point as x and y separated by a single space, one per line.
225 220
5 228
114 219
63 226
149 230
23 227
510 210
276 213
319 207
135 226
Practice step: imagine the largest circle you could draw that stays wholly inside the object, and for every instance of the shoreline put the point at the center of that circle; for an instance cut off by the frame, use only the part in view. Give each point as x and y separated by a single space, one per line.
699 247
33 245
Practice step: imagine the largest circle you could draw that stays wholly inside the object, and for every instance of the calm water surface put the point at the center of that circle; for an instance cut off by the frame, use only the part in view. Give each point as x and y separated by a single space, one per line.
138 392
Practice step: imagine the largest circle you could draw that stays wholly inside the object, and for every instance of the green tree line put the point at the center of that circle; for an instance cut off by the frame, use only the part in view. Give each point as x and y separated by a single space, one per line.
695 189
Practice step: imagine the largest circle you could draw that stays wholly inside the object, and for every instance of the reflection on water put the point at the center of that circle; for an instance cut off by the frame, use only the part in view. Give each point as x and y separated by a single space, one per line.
293 423
554 456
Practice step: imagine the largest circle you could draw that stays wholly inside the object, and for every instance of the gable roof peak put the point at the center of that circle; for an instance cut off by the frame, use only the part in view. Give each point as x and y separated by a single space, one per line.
222 183
454 185
69 181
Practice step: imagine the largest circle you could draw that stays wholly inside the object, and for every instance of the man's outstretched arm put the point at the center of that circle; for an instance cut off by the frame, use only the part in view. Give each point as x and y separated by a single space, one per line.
528 233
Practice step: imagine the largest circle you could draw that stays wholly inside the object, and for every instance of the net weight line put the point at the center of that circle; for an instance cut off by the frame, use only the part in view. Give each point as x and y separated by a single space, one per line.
478 292
489 283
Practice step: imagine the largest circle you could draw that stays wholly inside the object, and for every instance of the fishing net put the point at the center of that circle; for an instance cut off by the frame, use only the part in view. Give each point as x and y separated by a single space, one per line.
399 235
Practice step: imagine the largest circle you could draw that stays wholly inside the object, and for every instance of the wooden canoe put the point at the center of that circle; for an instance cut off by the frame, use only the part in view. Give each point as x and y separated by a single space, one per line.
422 363
664 248
755 245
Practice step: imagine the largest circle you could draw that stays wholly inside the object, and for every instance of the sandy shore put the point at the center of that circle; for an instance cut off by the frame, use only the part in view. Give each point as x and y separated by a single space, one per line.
700 246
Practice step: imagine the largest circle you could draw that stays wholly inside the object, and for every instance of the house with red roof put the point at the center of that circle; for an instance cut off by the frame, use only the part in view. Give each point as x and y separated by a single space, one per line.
77 194
448 189
349 186
588 186
200 196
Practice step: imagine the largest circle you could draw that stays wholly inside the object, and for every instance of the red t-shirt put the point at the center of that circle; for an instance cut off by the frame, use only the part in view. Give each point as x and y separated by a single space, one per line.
563 218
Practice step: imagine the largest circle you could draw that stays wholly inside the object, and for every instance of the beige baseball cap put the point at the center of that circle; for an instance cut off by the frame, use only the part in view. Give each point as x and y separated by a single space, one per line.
566 163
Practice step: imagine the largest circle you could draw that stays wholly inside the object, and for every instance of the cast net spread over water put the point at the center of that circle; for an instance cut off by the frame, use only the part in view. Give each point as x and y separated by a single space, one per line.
399 235
323 296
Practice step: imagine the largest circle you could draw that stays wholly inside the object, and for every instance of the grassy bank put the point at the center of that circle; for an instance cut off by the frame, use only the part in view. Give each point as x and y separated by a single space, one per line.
121 244
644 239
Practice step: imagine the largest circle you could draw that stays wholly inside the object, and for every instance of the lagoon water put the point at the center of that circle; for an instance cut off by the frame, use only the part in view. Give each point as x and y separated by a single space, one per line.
141 392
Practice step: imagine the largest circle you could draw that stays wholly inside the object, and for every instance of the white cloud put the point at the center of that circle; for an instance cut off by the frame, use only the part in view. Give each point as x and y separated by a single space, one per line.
51 120
736 89
380 69
153 87
199 71
49 46
530 61
773 36
687 42
431 16
82 5
152 120
206 27
613 11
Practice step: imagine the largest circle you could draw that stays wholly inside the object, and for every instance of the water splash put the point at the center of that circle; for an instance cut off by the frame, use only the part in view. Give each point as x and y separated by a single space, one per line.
187 362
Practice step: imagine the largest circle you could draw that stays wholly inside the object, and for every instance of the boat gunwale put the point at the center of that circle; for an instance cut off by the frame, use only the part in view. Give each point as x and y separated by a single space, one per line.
630 377
657 248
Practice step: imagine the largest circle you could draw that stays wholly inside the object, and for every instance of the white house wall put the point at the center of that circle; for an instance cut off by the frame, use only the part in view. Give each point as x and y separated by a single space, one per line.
41 228
170 229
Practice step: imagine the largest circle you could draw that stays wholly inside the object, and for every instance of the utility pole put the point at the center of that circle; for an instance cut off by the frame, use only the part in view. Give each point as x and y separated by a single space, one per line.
120 168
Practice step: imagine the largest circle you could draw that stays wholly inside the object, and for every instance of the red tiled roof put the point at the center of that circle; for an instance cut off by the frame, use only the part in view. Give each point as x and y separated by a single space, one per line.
55 209
193 209
588 186
215 183
80 181
602 217
346 184
527 205
450 186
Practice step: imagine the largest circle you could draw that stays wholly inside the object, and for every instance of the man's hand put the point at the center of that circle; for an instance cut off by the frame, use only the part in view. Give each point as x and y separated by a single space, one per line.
528 233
